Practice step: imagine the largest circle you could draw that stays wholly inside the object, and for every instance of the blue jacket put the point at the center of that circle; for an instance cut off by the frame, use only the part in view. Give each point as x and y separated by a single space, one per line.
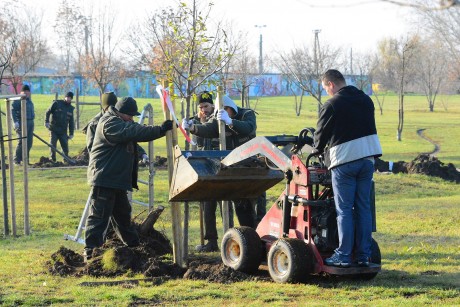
16 110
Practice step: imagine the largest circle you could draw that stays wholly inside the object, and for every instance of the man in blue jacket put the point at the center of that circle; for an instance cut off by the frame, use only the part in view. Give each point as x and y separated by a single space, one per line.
16 114
346 130
112 171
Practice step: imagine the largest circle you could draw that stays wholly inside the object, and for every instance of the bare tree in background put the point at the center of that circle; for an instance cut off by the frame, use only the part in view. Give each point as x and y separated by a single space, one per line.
178 46
365 66
244 69
396 68
70 28
431 70
362 72
445 26
304 67
31 46
100 64
8 43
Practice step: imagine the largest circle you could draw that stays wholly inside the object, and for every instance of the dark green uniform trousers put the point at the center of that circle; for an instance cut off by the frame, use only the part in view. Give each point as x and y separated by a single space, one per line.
109 205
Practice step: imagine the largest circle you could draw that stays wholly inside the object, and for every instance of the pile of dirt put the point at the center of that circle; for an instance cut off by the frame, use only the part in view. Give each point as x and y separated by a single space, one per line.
202 267
82 159
114 258
422 164
152 258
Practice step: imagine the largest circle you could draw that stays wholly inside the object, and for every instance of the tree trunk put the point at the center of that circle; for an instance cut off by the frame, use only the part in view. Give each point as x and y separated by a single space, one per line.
150 220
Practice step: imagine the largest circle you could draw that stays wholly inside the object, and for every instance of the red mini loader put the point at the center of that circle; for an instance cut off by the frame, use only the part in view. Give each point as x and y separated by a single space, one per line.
300 229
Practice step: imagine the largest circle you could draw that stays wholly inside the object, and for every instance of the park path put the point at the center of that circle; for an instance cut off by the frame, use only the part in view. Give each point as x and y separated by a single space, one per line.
436 145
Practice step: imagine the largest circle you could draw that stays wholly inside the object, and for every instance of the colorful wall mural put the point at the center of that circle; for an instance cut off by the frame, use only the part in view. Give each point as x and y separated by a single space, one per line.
143 85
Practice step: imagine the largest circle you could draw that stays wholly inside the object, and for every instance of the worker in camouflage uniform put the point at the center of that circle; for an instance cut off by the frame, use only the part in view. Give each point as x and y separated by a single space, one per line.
240 127
112 171
59 118
205 114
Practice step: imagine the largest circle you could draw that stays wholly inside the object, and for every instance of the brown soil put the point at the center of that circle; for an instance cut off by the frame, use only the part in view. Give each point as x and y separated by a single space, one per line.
152 259
422 164
82 159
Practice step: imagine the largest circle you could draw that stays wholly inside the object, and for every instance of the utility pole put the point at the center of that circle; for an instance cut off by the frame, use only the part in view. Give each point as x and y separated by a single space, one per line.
261 63
317 52
351 61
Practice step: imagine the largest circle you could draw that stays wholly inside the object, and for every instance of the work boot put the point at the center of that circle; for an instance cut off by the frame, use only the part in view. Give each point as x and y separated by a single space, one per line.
211 246
87 254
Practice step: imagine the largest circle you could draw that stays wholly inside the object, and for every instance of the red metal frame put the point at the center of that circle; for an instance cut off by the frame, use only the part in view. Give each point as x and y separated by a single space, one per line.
302 184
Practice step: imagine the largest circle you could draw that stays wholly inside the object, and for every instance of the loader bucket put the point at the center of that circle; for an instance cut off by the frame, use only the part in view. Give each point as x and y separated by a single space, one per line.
199 175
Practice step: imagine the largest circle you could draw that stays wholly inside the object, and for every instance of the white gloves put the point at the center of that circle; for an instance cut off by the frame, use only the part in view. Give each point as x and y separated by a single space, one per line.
223 116
16 126
70 136
145 158
187 124
47 125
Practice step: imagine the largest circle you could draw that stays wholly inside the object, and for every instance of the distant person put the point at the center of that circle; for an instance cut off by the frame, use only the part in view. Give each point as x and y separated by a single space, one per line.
16 116
59 120
205 114
346 130
240 127
107 99
112 172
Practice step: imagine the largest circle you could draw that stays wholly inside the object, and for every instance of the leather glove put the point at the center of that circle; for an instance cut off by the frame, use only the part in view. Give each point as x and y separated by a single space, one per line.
187 124
166 125
145 158
70 136
17 126
47 125
223 116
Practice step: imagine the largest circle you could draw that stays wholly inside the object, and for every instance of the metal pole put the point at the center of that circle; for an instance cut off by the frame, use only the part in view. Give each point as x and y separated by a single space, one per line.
151 164
25 165
261 63
11 169
4 183
77 113
222 146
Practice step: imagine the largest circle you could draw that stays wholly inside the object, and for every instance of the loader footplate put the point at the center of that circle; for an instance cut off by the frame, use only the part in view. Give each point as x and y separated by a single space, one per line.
353 270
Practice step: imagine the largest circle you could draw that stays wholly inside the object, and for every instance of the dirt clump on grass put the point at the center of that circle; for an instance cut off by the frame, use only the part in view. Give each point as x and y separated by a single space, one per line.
82 159
152 258
210 268
422 164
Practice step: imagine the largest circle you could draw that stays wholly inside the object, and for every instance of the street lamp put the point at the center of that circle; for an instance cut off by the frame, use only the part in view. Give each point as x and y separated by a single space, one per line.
261 63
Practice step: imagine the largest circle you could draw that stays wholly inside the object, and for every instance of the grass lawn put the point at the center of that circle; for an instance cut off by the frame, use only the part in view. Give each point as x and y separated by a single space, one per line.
417 223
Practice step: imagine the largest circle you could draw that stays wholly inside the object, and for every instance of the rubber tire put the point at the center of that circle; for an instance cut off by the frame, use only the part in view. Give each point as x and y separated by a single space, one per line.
290 261
241 249
376 257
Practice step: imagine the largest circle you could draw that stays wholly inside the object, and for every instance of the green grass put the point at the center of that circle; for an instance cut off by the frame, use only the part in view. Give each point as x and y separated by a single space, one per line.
417 223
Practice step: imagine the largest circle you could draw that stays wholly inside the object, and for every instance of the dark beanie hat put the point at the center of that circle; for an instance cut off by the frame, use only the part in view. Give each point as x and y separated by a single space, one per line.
127 106
25 87
108 99
69 94
205 96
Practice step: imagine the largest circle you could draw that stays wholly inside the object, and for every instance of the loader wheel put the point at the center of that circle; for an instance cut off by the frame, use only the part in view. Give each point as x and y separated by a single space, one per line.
289 261
376 257
241 249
